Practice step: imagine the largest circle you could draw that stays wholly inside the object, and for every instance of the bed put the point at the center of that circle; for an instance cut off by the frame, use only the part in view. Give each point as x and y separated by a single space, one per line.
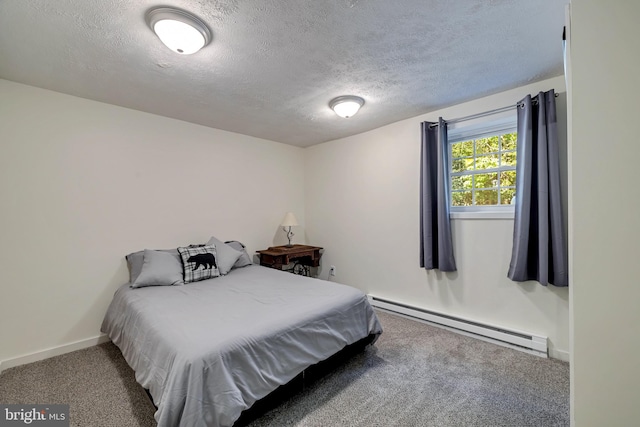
208 350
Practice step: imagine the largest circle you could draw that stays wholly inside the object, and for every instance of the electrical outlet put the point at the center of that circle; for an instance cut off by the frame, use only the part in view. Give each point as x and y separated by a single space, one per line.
332 270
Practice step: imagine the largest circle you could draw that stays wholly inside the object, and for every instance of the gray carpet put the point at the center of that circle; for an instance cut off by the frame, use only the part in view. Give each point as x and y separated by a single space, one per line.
415 375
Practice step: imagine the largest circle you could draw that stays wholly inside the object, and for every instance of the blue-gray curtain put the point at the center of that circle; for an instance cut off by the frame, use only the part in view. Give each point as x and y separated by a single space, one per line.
539 243
436 245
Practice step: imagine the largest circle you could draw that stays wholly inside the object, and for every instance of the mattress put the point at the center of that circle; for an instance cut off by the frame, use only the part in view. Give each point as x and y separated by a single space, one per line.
208 350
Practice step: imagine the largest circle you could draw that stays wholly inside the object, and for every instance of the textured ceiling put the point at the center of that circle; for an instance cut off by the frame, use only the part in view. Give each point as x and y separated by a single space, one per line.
274 65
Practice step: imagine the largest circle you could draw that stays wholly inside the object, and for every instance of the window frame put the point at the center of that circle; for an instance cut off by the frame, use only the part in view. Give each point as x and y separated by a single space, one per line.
482 129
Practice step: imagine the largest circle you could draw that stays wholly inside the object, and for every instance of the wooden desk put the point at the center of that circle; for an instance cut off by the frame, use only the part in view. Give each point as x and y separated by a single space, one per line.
301 255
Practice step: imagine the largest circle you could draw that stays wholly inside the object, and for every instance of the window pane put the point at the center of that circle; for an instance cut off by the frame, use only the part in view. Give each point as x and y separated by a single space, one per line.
461 198
507 178
457 165
462 149
509 141
509 159
506 195
480 174
486 197
461 165
486 180
461 182
487 145
487 162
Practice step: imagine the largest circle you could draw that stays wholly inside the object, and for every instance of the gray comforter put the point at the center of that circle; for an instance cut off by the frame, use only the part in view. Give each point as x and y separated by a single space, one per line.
208 350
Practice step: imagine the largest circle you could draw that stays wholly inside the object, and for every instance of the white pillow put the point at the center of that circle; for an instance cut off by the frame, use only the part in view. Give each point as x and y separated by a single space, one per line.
225 255
244 259
159 268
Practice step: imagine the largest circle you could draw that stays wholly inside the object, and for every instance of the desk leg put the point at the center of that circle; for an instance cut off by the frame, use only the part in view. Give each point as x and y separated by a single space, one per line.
301 269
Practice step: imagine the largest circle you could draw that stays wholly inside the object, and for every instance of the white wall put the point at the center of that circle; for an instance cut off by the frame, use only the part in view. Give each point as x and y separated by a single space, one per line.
84 183
362 206
605 202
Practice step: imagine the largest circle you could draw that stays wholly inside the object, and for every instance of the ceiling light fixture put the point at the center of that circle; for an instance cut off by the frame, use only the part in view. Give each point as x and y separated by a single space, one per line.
180 31
346 106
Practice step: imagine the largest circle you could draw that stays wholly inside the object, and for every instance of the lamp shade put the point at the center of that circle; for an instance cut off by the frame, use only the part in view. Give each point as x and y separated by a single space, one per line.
180 31
289 220
346 106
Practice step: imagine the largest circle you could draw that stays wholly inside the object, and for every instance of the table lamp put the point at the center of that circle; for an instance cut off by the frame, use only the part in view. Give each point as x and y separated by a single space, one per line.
289 221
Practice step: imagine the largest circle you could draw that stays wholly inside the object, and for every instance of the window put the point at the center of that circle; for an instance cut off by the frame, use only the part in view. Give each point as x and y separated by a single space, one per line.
483 167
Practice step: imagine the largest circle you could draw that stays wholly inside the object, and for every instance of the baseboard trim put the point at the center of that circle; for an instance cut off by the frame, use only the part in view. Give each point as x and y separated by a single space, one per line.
559 354
53 351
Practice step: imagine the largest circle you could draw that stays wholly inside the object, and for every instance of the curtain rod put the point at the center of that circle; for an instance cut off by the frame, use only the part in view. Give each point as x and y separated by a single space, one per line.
478 115
486 113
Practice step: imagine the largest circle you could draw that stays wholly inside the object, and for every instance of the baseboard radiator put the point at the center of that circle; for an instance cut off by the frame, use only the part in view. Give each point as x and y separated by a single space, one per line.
529 343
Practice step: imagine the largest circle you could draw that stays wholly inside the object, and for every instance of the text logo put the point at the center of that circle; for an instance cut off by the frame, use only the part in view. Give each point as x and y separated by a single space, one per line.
34 415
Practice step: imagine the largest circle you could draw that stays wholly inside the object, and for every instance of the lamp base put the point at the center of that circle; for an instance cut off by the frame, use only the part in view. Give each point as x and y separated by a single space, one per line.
289 237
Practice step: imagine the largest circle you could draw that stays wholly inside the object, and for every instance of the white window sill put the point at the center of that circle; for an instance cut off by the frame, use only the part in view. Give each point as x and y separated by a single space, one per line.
482 215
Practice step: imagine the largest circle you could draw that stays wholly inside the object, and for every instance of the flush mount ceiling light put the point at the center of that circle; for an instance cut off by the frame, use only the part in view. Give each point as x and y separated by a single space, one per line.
346 106
180 31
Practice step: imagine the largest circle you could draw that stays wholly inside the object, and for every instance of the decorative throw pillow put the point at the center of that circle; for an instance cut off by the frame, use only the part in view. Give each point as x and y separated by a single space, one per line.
225 255
244 259
199 263
159 269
